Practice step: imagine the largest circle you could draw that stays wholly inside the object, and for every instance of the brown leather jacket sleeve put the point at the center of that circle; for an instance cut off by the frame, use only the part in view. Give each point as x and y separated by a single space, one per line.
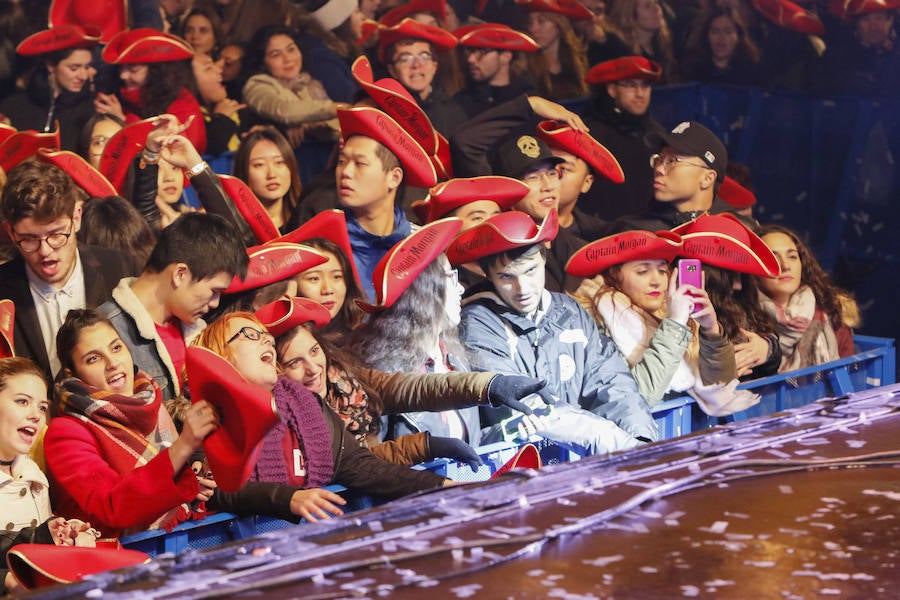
406 450
431 392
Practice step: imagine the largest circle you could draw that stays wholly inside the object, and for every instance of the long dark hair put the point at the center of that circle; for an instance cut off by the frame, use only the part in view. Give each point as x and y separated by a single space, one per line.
826 293
241 168
401 337
165 80
736 308
350 315
746 49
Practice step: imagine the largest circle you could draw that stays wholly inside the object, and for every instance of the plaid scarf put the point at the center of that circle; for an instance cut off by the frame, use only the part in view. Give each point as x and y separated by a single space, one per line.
131 430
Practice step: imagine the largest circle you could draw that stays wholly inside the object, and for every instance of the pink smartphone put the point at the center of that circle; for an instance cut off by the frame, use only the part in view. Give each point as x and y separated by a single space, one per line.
690 272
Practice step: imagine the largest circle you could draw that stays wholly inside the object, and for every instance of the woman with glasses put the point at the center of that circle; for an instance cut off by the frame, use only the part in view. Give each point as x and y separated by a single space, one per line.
310 447
280 92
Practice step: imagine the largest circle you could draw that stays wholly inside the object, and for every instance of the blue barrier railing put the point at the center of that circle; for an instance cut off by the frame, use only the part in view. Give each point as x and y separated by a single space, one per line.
873 366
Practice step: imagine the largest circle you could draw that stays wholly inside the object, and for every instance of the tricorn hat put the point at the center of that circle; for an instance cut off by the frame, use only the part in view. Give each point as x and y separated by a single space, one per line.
284 314
81 171
495 35
61 37
121 149
735 194
273 262
568 8
723 241
790 16
42 565
246 413
408 29
330 225
449 195
25 144
584 146
407 259
145 45
527 457
596 257
108 16
250 208
625 67
501 233
394 16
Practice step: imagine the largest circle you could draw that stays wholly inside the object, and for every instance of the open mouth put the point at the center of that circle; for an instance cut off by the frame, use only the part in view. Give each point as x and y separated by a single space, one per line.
268 357
116 381
27 434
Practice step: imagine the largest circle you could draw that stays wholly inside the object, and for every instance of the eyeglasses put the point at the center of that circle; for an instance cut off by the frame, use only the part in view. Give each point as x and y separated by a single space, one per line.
633 84
407 60
537 176
252 334
30 244
478 52
670 161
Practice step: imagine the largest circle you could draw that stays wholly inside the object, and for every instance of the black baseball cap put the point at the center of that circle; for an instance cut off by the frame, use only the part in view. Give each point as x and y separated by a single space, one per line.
515 155
690 138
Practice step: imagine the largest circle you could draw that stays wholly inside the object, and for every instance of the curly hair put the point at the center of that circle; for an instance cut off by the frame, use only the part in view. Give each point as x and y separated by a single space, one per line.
826 293
736 306
164 83
401 337
572 59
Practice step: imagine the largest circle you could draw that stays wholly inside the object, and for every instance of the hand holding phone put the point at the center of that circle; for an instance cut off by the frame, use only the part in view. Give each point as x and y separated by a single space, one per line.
690 272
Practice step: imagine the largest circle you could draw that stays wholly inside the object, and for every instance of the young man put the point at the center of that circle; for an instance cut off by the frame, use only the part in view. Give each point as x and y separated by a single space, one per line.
496 66
156 314
409 49
512 324
619 117
46 279
686 173
377 156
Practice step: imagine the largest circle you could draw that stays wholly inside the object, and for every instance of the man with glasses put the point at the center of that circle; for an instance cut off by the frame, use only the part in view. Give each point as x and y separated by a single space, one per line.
156 314
686 172
493 54
409 50
42 215
619 116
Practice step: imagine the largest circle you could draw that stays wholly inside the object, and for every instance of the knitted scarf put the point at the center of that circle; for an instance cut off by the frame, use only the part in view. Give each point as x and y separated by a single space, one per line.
130 430
804 333
301 413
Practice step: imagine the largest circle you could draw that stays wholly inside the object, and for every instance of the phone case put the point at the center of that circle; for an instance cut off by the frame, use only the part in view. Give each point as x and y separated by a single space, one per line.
690 272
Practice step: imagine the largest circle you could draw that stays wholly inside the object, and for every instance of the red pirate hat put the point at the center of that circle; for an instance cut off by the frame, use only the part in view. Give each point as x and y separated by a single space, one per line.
373 123
436 7
42 565
6 132
790 16
407 259
273 262
409 29
527 457
7 328
246 413
108 16
568 8
144 45
328 224
624 247
25 144
846 9
450 195
495 35
394 99
735 194
625 67
121 149
581 144
506 231
284 314
250 208
86 176
723 241
61 37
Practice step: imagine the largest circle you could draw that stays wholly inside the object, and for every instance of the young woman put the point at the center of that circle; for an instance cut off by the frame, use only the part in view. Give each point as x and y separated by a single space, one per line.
266 162
813 317
360 396
310 447
723 51
113 454
646 31
202 29
561 64
334 286
96 134
278 90
224 117
24 491
331 34
668 333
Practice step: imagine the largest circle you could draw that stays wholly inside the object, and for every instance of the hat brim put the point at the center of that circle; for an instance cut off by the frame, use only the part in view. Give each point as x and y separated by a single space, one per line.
626 67
145 45
121 149
723 241
275 261
37 566
109 16
62 37
584 146
396 271
790 16
494 236
25 144
496 36
410 29
250 208
450 195
568 8
284 314
82 172
628 246
398 13
246 413
527 457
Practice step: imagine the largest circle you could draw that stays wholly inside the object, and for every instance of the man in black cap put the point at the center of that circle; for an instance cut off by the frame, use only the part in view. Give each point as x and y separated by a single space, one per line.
686 173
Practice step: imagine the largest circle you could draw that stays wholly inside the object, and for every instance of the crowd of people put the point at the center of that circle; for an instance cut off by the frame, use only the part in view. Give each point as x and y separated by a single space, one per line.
476 262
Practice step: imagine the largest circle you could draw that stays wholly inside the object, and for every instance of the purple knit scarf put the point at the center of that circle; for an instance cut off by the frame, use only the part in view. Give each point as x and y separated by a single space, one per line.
300 412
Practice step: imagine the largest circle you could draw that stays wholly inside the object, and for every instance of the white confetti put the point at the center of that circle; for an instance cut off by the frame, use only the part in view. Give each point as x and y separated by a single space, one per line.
785 489
604 560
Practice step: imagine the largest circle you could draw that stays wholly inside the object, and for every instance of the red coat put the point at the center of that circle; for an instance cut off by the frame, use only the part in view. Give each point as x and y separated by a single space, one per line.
183 107
85 486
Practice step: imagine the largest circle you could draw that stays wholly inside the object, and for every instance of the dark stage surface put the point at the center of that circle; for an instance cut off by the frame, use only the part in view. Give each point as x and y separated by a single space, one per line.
803 504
